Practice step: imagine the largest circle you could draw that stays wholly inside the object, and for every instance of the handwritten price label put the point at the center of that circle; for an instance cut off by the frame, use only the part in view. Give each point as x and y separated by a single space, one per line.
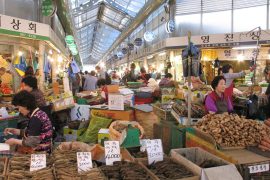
112 152
258 168
154 150
84 161
38 161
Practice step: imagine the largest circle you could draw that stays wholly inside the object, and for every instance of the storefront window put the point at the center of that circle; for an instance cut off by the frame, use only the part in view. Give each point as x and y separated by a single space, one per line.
187 23
217 22
249 18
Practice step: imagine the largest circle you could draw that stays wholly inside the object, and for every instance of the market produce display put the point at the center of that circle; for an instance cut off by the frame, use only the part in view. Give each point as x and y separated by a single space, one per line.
65 163
232 130
19 168
168 170
125 171
181 108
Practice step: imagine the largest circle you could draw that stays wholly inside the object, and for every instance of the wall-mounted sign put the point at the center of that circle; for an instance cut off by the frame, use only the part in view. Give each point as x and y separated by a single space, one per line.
120 54
23 28
48 8
170 26
71 45
124 51
149 36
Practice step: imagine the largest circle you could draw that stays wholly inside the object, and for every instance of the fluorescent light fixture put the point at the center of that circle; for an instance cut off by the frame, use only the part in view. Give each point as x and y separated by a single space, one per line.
20 53
245 47
50 51
162 54
240 57
150 57
60 59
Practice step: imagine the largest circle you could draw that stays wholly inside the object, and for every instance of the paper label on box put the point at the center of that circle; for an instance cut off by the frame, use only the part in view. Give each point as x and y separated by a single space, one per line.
80 112
143 143
154 150
84 161
258 168
38 161
116 102
112 152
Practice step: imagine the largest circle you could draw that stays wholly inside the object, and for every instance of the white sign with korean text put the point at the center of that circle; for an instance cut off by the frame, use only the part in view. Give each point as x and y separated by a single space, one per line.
38 161
84 161
24 26
154 150
143 143
112 152
258 168
116 102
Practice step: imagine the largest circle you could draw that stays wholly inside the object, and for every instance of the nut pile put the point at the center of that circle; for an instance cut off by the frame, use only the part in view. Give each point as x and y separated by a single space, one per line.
125 171
232 130
19 167
168 170
65 163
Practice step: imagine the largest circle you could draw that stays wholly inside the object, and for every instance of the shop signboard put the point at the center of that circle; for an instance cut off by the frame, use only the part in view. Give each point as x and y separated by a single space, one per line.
23 28
48 8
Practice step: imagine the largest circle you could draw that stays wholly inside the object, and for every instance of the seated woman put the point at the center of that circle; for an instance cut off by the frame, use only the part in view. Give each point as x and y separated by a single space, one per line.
217 101
144 77
37 136
30 85
167 81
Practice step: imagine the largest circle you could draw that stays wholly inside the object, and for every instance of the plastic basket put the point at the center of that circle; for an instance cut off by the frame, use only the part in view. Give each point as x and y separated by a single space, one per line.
8 123
161 113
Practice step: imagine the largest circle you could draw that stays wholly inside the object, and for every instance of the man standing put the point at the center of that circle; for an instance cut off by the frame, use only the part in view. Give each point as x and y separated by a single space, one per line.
90 82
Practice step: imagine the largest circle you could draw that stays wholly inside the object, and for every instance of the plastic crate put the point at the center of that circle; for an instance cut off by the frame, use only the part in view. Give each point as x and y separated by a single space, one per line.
143 101
161 113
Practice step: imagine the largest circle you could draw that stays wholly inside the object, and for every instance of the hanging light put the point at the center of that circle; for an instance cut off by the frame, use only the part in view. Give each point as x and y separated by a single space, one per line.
20 53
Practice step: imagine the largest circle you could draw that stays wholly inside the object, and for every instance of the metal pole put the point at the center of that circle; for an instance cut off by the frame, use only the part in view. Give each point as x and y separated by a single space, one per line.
256 56
189 78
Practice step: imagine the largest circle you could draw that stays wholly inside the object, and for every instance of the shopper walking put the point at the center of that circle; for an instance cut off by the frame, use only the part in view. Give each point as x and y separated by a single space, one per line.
90 82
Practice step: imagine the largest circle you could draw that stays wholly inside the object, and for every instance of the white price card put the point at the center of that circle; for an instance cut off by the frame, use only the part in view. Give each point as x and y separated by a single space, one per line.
38 161
112 152
258 168
154 150
84 161
143 144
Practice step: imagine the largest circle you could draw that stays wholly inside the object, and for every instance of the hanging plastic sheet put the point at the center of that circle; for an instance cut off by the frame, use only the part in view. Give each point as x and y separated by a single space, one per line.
196 56
47 65
20 65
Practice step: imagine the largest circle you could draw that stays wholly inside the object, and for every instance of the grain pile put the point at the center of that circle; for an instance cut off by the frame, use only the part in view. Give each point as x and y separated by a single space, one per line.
232 130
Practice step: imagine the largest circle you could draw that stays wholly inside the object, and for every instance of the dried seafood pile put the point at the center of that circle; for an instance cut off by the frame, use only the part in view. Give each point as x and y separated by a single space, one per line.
197 111
125 171
19 168
65 163
232 130
168 170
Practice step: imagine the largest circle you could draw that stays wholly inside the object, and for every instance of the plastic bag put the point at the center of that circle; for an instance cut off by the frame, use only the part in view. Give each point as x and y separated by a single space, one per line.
96 123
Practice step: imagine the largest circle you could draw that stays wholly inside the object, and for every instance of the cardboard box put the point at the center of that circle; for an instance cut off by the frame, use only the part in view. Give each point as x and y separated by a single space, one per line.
116 102
144 163
71 134
103 135
127 115
252 165
113 88
167 98
195 157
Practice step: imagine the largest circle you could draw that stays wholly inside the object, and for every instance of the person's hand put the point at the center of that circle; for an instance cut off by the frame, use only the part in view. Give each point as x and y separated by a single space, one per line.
12 141
11 131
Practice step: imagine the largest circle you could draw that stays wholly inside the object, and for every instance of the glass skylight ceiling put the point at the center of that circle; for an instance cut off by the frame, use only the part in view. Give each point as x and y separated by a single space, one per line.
98 23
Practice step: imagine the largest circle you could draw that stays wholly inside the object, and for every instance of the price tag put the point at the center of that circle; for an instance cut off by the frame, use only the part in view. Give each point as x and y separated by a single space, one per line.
112 152
38 161
258 168
84 161
143 143
154 150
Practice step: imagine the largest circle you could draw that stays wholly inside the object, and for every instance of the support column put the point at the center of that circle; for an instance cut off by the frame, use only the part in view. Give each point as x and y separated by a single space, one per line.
173 72
54 67
16 76
41 65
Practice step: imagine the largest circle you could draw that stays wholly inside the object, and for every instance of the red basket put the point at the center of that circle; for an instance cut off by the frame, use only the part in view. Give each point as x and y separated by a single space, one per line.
139 101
